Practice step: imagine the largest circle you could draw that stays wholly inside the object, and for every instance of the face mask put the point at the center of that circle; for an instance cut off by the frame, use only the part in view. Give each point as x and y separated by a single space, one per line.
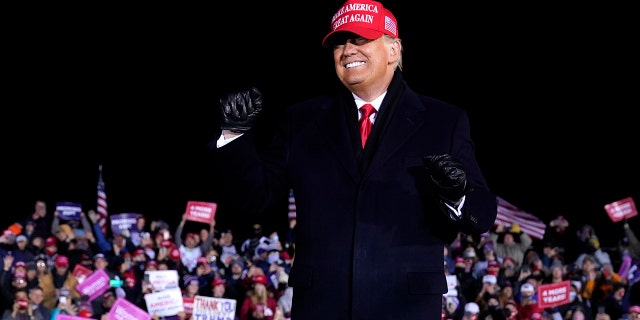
273 257
572 295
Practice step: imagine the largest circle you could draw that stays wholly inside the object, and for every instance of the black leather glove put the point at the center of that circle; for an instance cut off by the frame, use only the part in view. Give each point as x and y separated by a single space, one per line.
240 110
448 176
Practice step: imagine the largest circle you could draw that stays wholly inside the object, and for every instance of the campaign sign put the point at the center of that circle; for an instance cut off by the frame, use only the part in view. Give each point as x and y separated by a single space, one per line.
125 310
162 279
164 303
94 285
214 308
81 272
187 303
554 294
68 210
621 209
123 221
199 211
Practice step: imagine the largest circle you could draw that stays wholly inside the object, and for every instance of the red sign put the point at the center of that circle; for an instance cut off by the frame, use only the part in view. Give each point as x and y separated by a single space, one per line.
81 272
203 212
621 209
187 303
554 294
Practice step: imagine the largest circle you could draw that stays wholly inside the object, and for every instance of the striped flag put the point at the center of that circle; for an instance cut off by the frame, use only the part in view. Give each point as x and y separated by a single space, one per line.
292 205
102 204
529 224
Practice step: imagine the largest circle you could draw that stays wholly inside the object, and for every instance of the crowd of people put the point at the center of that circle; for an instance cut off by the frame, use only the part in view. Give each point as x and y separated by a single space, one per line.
496 274
42 251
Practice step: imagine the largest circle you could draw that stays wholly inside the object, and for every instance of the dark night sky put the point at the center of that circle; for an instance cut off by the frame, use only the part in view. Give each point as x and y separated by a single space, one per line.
550 94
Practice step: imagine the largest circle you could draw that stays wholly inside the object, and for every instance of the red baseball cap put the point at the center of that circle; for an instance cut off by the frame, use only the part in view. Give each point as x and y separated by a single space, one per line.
218 281
260 279
51 241
151 263
62 261
174 254
85 313
368 19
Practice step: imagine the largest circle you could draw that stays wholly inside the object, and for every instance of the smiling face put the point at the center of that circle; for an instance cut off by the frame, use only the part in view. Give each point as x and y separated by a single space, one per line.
365 66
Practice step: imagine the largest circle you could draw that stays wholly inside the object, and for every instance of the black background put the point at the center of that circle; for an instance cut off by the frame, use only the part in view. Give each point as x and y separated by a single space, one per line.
550 93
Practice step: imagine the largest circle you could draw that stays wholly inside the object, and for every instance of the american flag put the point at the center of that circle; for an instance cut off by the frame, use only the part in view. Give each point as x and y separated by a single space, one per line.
529 224
292 205
102 204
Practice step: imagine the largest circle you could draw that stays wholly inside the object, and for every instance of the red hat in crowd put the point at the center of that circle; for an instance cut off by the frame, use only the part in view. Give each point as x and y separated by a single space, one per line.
217 282
51 241
85 313
202 260
259 279
62 261
151 263
174 254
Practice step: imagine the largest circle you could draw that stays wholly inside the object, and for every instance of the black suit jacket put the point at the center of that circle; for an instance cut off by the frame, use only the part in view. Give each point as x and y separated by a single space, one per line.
370 232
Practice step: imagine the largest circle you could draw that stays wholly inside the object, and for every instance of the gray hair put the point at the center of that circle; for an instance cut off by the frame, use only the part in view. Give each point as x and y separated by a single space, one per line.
390 39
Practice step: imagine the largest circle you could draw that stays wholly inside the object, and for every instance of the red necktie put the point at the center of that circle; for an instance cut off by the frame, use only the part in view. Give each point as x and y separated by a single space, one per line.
365 122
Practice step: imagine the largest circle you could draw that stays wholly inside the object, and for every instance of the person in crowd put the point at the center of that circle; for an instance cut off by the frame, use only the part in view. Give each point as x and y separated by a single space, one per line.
63 278
452 308
510 241
471 311
249 245
65 306
629 245
527 301
488 255
205 274
51 251
192 249
394 197
634 312
613 302
102 305
227 248
140 230
21 309
20 251
258 304
558 235
40 219
576 302
36 299
587 243
235 280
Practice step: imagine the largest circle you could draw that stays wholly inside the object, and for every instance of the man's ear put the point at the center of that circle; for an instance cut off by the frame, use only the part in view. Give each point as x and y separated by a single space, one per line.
394 52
